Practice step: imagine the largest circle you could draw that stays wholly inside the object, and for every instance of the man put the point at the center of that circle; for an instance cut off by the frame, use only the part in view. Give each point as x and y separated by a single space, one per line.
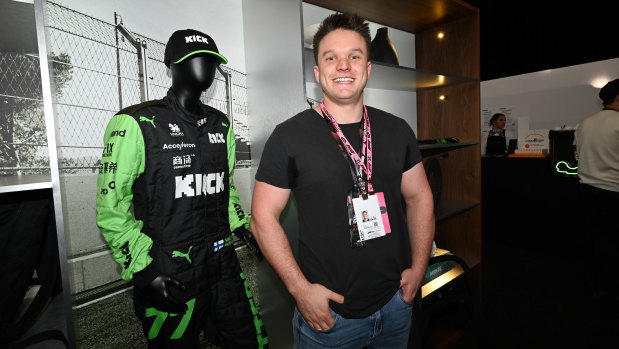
353 285
172 160
365 216
597 147
597 143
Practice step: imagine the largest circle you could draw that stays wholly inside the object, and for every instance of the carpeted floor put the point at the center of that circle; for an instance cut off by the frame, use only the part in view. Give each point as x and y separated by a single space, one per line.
532 298
109 323
535 287
537 297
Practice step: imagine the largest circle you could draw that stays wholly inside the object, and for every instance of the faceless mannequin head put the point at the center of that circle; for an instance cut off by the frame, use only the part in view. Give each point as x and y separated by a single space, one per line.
196 73
191 77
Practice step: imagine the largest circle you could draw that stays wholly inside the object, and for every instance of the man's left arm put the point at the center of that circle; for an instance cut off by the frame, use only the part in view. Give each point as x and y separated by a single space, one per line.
238 219
420 221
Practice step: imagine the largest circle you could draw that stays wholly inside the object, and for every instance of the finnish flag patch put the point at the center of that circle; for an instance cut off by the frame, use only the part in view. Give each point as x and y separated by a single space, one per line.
218 245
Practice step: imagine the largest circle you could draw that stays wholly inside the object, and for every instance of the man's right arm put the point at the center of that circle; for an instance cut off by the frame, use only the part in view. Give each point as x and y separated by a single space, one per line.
312 299
268 203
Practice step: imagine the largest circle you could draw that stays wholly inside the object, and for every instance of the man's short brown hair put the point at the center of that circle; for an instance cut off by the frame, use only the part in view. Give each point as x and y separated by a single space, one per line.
608 93
348 21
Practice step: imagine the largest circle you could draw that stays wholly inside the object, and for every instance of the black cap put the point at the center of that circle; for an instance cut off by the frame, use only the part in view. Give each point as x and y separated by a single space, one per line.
609 92
188 42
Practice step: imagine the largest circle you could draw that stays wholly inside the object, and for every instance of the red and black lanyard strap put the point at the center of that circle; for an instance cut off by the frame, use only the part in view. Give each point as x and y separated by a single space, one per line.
359 165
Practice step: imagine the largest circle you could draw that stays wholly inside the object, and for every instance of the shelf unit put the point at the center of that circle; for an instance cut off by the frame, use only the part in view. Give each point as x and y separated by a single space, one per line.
441 281
433 149
448 66
392 77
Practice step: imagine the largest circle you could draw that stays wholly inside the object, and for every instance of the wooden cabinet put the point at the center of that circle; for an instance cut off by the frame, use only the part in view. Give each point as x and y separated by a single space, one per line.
448 67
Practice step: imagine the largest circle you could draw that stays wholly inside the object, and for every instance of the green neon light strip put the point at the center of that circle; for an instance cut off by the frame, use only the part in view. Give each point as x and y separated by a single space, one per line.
221 58
572 171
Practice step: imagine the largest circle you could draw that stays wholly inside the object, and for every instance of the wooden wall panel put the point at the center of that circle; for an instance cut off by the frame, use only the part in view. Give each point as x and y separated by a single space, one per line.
458 116
457 53
461 172
461 235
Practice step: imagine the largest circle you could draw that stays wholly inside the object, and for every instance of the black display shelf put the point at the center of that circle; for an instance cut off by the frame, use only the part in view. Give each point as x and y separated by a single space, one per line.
392 77
433 149
448 208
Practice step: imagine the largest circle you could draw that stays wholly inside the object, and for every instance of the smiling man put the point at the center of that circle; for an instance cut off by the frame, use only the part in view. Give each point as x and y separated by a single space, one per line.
353 284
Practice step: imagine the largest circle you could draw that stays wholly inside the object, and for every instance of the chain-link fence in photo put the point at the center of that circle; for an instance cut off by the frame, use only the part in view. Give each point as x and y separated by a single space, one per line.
23 140
113 68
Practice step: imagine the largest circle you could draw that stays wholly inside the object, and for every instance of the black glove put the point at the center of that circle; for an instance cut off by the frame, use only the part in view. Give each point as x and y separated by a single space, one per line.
157 290
249 241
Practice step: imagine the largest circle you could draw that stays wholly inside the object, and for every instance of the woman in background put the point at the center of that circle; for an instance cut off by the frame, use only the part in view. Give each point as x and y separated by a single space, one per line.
496 142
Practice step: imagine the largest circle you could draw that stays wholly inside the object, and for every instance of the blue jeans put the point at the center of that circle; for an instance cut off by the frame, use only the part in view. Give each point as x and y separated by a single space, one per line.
388 328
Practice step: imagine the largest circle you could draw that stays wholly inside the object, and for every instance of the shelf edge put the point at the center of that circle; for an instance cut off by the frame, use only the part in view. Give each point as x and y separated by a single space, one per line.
453 208
25 187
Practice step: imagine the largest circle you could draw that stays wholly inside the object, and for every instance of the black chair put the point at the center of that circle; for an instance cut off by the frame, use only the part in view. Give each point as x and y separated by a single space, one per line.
452 310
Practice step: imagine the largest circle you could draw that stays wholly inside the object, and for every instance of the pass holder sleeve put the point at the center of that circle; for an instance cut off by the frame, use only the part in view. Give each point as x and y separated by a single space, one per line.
369 215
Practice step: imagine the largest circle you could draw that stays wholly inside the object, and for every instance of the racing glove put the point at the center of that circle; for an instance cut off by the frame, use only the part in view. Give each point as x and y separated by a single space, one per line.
249 241
156 289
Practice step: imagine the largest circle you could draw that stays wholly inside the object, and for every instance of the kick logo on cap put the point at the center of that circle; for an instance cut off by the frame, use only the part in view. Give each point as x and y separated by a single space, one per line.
196 38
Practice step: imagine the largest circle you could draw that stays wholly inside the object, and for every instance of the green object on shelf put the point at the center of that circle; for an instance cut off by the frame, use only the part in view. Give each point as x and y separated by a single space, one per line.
437 269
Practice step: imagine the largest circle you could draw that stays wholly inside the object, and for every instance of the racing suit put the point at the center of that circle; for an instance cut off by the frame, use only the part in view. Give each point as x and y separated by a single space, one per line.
175 168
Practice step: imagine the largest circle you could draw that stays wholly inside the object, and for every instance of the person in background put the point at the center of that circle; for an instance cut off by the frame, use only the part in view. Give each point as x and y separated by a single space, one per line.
497 141
597 150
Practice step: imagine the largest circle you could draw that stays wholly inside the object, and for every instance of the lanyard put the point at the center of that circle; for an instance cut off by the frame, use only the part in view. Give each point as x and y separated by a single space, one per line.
366 149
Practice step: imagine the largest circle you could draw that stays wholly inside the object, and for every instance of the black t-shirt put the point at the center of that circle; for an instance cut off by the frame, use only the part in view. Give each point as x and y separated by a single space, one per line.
302 155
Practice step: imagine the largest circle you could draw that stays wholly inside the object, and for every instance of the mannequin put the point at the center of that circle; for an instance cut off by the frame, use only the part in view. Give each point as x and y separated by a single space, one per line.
173 161
189 80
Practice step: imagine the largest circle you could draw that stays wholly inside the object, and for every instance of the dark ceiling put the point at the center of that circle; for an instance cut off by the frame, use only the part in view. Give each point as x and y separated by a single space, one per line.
524 36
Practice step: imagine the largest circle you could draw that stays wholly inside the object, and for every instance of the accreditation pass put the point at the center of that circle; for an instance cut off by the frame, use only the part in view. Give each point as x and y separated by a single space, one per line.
371 214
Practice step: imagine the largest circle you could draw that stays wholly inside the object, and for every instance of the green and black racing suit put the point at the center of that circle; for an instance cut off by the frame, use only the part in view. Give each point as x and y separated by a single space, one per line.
175 168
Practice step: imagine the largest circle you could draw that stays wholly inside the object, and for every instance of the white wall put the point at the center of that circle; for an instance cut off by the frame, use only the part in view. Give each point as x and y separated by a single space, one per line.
554 97
274 94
